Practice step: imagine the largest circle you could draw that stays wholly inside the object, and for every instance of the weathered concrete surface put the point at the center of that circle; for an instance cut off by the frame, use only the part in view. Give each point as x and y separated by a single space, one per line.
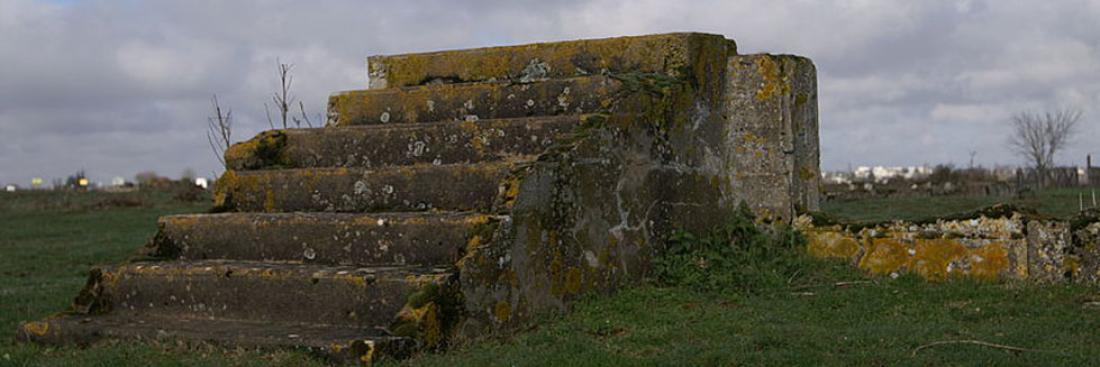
339 344
579 228
1002 246
662 53
377 146
588 217
983 248
1083 257
350 296
1047 244
406 188
319 238
471 102
773 98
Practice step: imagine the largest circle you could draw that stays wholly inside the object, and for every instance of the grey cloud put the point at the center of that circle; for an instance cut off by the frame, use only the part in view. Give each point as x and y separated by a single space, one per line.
118 87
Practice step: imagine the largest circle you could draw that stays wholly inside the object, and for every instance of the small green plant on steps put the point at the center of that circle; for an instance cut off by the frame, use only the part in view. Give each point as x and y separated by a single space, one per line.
741 256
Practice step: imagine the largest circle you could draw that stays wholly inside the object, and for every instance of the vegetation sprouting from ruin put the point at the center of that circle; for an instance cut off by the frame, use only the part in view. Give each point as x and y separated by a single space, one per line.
740 256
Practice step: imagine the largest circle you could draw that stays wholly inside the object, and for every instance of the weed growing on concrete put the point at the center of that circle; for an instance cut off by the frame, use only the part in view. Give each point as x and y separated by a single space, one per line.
741 256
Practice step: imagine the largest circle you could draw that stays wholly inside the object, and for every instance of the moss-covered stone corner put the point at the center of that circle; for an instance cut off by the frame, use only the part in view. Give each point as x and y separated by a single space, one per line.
90 300
158 247
263 151
224 187
480 234
430 314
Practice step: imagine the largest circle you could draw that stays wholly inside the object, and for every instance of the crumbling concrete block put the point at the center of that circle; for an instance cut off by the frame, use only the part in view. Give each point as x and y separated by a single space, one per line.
1046 246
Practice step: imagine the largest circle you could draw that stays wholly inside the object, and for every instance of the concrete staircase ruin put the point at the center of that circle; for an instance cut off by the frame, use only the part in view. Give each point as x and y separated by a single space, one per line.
465 192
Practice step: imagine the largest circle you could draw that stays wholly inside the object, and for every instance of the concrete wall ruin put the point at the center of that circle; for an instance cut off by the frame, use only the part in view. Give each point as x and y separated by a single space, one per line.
992 244
691 129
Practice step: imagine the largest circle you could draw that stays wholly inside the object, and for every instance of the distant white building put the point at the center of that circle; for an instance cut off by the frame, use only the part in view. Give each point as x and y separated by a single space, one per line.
882 173
10 188
118 181
836 177
202 182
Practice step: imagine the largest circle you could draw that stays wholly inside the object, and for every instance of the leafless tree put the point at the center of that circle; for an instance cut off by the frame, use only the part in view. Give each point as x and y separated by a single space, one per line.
284 100
219 130
1038 137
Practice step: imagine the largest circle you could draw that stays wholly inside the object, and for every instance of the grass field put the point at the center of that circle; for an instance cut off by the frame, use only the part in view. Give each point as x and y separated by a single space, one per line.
1053 202
49 241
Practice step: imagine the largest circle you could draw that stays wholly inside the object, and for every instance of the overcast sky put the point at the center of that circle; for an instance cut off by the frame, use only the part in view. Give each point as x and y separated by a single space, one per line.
119 87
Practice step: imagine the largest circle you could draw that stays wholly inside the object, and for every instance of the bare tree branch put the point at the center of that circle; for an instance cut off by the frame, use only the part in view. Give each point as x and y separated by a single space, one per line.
282 98
302 109
219 130
1038 137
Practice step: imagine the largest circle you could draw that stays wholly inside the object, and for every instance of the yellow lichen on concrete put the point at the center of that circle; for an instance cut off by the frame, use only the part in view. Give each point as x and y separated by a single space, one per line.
573 280
510 189
269 200
431 329
666 53
885 256
181 221
502 311
357 280
989 261
368 357
952 251
264 149
242 151
223 187
832 244
37 328
933 258
557 286
772 83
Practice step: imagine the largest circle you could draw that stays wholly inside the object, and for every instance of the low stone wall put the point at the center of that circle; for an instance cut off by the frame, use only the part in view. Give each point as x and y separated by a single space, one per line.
993 244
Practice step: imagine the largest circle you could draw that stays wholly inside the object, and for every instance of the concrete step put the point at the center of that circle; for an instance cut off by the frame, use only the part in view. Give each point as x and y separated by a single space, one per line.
359 297
435 238
456 187
472 101
401 144
661 53
337 343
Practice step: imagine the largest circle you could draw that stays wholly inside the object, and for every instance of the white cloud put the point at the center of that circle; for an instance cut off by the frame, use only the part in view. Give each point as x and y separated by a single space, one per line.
121 87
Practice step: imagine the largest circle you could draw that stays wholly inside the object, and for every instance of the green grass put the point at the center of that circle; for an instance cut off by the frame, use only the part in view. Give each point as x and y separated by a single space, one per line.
878 323
1053 202
48 243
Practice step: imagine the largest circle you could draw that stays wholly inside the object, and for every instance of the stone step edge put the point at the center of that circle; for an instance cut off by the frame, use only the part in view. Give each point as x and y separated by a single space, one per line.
472 101
645 53
381 239
265 269
268 149
346 345
244 191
